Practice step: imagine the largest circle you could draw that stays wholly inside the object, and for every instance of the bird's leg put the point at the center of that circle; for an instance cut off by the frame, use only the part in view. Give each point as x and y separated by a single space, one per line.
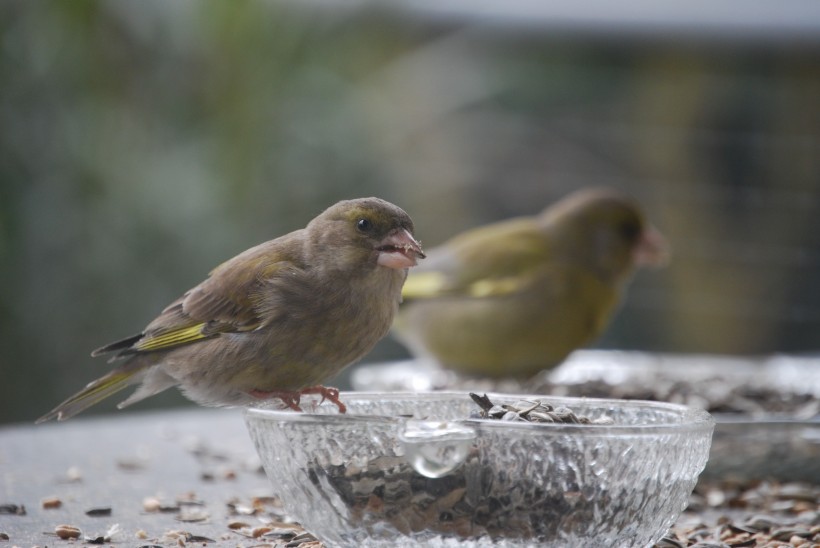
290 399
328 393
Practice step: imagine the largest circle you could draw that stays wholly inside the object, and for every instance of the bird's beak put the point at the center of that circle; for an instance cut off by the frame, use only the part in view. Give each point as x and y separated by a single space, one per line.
651 249
399 250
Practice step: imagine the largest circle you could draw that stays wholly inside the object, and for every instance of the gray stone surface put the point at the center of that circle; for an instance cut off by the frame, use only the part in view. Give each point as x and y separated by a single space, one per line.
205 454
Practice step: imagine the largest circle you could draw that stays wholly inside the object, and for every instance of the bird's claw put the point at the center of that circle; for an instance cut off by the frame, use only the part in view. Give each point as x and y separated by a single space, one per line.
328 393
292 399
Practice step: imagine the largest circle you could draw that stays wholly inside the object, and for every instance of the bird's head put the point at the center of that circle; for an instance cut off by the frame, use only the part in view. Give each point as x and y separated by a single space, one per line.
368 231
608 231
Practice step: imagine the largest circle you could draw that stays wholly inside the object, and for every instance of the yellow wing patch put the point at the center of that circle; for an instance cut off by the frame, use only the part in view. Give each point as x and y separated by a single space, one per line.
172 338
434 284
497 287
423 284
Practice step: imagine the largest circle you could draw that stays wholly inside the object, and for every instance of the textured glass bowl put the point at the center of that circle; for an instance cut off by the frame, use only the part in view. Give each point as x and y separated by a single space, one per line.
402 469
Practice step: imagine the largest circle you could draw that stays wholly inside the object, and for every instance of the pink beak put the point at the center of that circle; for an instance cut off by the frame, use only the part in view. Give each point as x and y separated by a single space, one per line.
399 250
651 249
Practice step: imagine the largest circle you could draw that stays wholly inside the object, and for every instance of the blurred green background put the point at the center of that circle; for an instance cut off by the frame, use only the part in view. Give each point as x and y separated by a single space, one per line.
142 143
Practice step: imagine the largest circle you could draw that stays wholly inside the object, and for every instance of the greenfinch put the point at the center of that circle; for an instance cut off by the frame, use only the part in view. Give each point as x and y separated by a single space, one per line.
276 320
513 298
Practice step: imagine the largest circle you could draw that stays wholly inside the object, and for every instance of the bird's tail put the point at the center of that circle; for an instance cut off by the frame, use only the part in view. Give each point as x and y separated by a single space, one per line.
126 374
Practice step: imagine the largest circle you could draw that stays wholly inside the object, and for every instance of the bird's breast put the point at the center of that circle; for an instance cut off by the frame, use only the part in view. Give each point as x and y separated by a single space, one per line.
312 341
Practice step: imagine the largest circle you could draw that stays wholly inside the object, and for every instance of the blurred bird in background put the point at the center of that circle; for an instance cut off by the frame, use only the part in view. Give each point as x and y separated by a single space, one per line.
512 298
274 321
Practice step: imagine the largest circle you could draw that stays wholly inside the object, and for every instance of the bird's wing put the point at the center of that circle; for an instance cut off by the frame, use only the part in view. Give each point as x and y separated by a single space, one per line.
487 262
230 300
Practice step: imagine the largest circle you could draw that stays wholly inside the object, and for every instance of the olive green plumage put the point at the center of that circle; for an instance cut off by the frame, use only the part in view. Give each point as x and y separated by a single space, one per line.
280 317
512 298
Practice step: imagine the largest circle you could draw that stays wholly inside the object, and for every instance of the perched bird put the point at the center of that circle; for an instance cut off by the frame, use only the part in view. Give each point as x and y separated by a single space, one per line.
515 297
276 320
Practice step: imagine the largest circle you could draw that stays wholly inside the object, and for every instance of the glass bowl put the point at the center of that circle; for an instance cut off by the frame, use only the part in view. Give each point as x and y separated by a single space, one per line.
401 469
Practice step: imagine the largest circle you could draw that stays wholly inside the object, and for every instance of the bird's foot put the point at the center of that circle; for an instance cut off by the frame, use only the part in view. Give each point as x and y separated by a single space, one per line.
328 393
292 399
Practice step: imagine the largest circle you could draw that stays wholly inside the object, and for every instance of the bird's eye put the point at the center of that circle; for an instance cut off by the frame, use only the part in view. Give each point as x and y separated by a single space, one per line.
364 225
630 230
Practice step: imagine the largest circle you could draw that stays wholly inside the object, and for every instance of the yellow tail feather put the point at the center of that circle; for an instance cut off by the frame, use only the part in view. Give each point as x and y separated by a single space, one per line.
95 392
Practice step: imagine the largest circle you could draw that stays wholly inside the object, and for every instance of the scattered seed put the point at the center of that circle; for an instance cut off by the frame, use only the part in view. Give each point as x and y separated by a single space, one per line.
4 536
67 531
265 501
13 509
197 538
259 531
141 534
717 394
51 503
131 465
767 523
715 497
173 535
98 512
242 509
281 533
73 475
739 528
151 504
301 540
192 516
761 523
189 498
798 491
669 542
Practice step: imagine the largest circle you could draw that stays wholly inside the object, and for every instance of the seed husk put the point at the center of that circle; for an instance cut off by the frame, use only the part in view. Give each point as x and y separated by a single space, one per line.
50 503
66 532
13 509
531 411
